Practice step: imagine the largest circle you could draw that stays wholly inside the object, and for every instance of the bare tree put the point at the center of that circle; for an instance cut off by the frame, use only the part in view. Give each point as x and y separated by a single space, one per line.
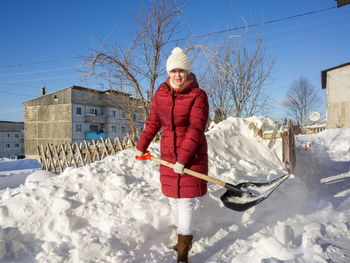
302 98
236 80
217 87
137 67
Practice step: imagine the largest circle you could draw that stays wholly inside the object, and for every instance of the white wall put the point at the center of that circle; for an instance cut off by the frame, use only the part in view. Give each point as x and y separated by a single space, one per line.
338 98
338 84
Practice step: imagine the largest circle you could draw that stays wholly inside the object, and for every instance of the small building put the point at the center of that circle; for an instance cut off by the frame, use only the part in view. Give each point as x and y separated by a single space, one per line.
75 114
11 139
314 127
336 81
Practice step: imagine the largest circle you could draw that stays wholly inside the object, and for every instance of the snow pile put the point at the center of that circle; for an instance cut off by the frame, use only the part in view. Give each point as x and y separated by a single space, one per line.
38 177
113 210
234 150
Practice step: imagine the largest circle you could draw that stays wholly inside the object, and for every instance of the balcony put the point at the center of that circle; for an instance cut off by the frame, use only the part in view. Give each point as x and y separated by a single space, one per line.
91 118
95 135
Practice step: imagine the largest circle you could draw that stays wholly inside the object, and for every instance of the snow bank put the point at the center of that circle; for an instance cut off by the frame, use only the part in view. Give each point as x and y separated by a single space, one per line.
113 211
38 177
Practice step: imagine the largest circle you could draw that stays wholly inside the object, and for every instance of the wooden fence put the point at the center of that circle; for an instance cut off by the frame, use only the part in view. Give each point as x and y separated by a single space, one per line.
56 158
288 142
288 145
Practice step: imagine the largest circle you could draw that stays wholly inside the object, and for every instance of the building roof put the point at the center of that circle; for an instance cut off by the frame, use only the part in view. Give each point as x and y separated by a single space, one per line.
11 126
83 89
100 91
341 3
324 73
12 122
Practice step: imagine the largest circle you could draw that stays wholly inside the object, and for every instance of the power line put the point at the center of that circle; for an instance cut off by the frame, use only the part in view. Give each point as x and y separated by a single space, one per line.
16 94
20 109
305 25
254 25
185 38
38 71
299 35
57 77
308 34
62 76
38 62
19 85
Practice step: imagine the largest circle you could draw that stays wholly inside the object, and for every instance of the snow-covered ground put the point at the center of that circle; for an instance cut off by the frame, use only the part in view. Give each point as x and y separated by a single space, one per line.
13 173
113 210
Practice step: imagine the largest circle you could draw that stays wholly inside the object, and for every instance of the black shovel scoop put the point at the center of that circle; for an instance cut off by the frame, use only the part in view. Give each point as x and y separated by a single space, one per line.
238 197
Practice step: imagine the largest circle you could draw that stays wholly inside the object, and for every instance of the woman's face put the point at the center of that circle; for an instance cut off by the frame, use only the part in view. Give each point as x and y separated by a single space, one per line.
178 76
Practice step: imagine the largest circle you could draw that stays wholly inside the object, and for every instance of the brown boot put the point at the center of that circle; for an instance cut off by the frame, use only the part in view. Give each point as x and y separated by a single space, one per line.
183 246
174 247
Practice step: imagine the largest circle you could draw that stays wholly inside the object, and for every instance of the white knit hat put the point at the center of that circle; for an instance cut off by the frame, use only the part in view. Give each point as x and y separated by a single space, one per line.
178 59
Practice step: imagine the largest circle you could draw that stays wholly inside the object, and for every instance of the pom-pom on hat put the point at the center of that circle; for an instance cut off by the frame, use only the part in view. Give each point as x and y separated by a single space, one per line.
178 59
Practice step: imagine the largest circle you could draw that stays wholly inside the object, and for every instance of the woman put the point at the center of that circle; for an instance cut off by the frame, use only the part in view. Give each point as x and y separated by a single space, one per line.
180 108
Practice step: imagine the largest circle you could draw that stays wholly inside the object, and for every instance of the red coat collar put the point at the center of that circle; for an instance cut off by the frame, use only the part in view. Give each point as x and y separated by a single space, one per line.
189 84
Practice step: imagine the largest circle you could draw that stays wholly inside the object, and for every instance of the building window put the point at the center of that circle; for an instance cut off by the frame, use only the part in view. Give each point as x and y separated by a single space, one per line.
16 135
16 145
93 111
123 129
123 114
78 110
114 114
79 128
94 128
8 135
7 146
114 129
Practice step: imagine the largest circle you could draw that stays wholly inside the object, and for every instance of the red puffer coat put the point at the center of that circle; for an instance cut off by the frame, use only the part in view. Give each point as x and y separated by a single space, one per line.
182 116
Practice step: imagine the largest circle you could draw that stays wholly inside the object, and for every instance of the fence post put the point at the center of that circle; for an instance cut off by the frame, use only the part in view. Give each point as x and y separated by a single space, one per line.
58 158
64 156
109 141
288 144
96 150
79 154
273 136
104 148
73 155
50 157
88 154
119 144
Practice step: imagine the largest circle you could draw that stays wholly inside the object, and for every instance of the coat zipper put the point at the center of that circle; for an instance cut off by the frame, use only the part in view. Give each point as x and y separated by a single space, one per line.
173 96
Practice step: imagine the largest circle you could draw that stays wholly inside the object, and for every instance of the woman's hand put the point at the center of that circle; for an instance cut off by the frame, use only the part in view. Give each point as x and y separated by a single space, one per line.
179 168
139 153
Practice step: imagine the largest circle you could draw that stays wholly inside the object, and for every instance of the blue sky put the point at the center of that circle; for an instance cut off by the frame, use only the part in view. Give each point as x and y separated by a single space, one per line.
41 40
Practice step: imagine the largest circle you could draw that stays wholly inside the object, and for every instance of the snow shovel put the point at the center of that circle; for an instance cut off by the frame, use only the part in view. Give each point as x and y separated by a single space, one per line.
238 197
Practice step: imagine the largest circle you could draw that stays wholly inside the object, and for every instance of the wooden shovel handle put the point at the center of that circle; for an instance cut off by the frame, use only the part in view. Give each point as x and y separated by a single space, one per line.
190 172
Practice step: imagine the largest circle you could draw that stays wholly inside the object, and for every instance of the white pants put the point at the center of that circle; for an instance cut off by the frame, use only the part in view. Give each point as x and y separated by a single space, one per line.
183 212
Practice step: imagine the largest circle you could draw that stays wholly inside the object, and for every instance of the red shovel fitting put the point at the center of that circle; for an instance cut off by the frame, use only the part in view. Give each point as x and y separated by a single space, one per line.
238 197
